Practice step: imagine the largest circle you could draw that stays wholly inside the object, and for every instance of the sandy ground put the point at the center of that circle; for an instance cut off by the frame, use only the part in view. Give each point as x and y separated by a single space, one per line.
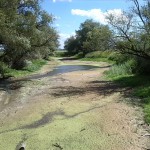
73 111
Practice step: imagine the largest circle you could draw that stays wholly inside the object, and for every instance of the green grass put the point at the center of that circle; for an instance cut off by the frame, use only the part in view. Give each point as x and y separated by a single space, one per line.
99 54
35 66
124 69
132 80
60 53
147 112
97 60
141 89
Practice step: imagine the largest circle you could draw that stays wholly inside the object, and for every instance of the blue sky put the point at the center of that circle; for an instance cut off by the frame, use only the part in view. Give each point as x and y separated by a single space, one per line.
70 14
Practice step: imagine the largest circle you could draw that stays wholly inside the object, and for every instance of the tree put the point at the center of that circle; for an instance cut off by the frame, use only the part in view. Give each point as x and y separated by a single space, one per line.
71 45
91 36
132 30
25 30
98 39
82 33
45 37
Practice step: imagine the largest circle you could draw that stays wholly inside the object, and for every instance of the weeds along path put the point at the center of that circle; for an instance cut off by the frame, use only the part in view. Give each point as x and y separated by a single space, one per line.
78 110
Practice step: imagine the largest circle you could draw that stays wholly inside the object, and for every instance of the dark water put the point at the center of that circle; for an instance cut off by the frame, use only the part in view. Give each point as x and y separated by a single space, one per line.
65 69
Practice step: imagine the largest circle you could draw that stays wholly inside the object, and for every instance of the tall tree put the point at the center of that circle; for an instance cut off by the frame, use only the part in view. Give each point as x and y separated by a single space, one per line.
91 36
98 39
71 45
24 29
84 29
132 30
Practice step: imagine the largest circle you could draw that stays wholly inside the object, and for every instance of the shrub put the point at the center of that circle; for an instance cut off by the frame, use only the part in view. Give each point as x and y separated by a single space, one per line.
35 65
3 69
118 58
122 69
98 54
79 55
143 66
144 93
147 113
60 53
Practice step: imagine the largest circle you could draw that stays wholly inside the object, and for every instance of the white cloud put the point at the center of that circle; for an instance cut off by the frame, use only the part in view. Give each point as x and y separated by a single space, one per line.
118 13
62 1
96 14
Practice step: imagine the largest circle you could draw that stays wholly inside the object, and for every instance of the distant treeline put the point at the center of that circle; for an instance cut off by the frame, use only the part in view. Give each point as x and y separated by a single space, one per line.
127 34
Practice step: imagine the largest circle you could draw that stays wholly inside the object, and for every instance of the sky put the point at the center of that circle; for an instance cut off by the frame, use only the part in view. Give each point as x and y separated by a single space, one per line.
69 14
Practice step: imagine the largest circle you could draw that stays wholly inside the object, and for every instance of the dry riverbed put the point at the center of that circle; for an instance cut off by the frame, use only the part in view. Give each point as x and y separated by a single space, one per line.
77 110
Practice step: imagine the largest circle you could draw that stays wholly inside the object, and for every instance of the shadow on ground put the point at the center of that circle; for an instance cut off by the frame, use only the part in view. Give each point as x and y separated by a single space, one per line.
49 118
66 69
11 84
102 88
68 58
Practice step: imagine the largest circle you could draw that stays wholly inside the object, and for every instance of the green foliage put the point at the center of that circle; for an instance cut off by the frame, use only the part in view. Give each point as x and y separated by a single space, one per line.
60 53
147 112
118 57
85 28
26 31
119 70
122 69
17 73
98 54
97 39
138 65
131 37
91 36
134 42
79 55
97 60
134 81
34 66
71 45
143 92
143 66
3 69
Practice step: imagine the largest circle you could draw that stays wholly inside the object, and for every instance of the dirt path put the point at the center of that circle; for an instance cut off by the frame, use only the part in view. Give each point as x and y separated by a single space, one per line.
71 111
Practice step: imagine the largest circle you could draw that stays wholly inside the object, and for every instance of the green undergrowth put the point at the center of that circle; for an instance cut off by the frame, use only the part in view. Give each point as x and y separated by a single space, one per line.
97 60
34 66
60 53
122 69
141 89
105 56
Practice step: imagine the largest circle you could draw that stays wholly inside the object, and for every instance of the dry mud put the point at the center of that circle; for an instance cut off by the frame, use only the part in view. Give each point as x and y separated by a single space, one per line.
79 110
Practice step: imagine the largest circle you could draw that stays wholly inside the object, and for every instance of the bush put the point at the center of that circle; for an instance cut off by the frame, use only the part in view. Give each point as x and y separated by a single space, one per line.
98 54
79 55
35 65
122 69
60 53
3 69
144 93
118 58
143 66
138 65
147 113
